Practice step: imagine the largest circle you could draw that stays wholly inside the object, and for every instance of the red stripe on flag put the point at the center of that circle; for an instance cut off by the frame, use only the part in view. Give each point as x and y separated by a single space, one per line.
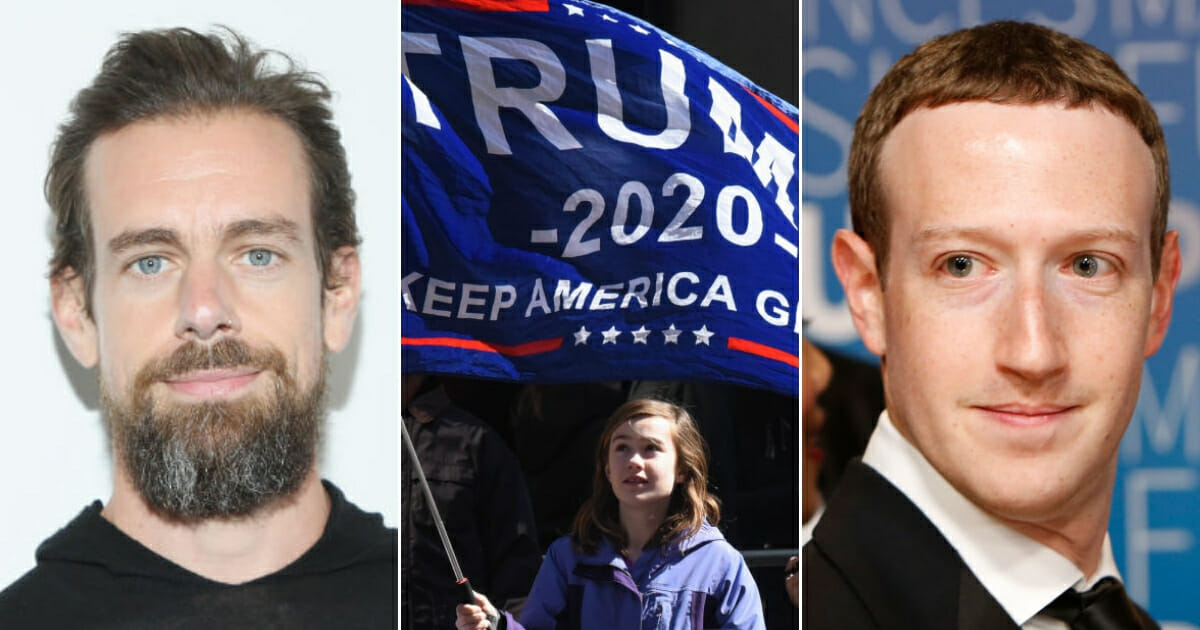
787 120
540 6
767 352
519 350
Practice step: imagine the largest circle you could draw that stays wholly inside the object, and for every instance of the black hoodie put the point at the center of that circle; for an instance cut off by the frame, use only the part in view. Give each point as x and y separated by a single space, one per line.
91 575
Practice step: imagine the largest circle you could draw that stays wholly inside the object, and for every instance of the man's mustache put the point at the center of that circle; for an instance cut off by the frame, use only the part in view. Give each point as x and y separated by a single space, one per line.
225 353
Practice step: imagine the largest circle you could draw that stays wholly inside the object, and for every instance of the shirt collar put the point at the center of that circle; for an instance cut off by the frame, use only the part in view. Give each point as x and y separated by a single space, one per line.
1022 574
806 530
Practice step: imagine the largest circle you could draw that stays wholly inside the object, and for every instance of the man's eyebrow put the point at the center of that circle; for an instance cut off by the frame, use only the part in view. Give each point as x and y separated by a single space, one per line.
1102 233
129 239
277 226
1107 234
134 238
937 233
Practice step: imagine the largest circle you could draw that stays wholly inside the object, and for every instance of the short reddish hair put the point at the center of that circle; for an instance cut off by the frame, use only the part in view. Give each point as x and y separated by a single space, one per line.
1000 62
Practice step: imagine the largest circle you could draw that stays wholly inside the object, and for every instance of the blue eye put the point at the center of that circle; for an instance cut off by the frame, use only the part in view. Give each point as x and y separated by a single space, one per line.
260 257
150 265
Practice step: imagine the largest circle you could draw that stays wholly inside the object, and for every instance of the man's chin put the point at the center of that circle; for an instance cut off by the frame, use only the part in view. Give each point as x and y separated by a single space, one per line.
226 507
219 457
220 464
1031 496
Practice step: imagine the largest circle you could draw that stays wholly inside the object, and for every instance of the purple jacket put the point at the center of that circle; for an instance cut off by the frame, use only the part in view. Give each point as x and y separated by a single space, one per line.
697 583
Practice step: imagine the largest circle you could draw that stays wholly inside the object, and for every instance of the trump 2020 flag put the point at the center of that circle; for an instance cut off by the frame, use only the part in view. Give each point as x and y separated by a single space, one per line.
586 197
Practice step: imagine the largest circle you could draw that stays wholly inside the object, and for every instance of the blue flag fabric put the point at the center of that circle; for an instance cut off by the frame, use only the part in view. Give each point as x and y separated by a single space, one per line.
586 197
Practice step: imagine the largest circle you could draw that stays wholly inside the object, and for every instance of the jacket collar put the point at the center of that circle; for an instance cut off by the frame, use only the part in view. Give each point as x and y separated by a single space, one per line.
607 554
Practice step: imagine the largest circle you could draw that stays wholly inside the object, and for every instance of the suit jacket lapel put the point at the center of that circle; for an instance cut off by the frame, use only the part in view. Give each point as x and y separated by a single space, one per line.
898 562
977 608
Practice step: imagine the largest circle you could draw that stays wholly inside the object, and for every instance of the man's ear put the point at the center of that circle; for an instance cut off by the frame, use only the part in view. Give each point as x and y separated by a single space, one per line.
68 302
854 262
341 300
1163 294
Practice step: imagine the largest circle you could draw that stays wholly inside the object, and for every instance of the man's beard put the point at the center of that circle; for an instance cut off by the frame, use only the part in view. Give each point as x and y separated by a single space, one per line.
213 459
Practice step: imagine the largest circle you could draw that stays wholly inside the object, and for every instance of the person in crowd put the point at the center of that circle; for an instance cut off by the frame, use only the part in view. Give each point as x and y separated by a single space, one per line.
556 426
482 500
817 372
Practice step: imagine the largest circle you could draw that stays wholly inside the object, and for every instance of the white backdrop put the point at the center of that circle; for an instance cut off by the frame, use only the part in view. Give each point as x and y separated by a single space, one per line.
53 451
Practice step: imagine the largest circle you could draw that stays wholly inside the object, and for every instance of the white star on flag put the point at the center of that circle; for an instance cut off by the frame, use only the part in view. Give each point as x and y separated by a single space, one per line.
702 335
581 335
610 335
608 18
573 10
638 28
672 334
640 335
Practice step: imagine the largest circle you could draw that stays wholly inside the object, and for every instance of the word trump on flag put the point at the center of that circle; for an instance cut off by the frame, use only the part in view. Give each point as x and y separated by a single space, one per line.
585 197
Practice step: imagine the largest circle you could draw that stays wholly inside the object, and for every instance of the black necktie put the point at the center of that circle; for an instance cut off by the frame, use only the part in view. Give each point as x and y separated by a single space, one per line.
1105 606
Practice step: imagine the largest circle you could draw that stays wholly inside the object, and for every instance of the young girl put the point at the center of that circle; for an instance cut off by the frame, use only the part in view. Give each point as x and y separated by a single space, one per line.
644 551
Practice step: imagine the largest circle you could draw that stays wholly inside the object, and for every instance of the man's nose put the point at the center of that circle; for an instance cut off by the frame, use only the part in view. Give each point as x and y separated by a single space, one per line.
1030 343
205 304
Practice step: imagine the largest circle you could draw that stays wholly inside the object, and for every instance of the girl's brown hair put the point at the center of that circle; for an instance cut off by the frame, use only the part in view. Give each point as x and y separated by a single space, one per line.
690 505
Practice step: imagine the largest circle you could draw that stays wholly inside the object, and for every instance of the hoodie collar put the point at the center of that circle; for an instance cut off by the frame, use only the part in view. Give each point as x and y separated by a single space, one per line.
350 536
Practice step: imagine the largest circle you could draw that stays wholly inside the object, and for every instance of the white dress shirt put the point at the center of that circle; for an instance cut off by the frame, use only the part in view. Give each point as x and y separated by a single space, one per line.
806 530
1022 574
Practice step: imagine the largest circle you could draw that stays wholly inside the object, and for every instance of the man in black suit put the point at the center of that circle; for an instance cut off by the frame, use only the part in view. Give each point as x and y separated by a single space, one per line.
1011 266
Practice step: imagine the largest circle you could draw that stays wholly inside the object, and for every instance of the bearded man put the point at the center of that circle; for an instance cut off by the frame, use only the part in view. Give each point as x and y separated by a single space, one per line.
205 261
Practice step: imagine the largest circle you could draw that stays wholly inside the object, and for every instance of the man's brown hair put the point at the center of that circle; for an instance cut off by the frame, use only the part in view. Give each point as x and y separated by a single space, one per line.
178 73
1001 62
